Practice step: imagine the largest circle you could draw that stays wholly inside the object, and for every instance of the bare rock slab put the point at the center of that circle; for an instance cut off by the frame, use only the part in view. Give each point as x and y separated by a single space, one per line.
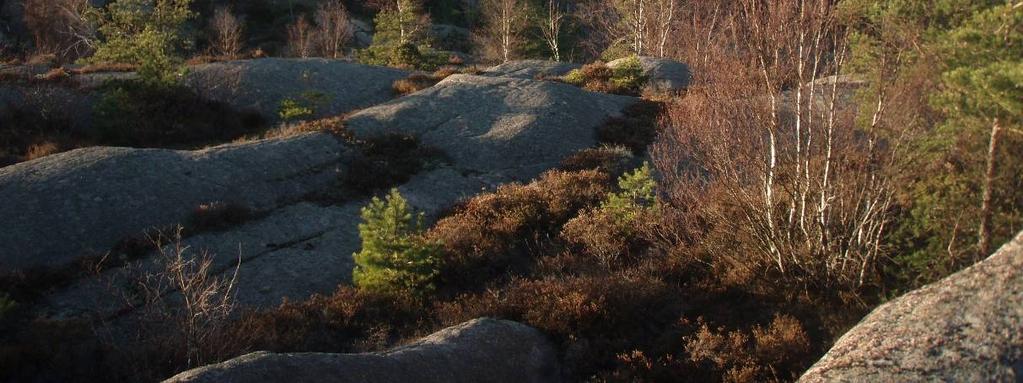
531 69
334 87
63 206
965 328
481 350
516 128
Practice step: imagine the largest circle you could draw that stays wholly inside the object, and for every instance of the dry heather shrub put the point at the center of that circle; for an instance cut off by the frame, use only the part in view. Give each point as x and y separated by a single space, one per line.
414 83
388 160
348 320
779 351
635 129
782 343
494 231
217 215
104 67
594 318
334 125
611 159
55 74
41 150
599 234
419 81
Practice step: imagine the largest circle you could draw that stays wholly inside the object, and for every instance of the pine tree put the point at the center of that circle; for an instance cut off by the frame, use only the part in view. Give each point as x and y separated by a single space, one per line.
147 33
394 257
637 195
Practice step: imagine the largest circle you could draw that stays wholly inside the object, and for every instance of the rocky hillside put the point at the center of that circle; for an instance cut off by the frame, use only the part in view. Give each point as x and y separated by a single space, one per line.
965 328
490 129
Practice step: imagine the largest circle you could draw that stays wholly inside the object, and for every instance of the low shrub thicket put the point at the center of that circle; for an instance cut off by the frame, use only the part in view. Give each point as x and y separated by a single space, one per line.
609 159
626 78
419 81
32 133
138 114
501 232
388 160
609 232
635 129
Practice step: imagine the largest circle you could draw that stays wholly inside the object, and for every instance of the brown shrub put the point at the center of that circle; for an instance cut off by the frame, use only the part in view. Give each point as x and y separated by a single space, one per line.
496 232
41 150
593 318
55 74
388 160
215 216
779 352
419 81
104 67
597 233
348 320
783 344
597 72
635 129
334 125
413 83
611 159
32 132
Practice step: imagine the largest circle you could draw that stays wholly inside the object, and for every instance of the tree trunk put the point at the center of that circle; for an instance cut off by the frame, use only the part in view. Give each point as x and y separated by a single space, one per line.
984 232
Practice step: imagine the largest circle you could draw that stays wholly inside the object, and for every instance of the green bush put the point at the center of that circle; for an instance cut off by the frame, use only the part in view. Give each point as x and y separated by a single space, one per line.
147 33
636 196
395 259
628 75
291 109
627 78
297 109
407 54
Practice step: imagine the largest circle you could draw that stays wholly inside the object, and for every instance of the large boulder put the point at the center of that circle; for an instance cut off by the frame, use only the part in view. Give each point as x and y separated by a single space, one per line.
481 350
513 128
63 206
334 87
965 328
531 69
665 75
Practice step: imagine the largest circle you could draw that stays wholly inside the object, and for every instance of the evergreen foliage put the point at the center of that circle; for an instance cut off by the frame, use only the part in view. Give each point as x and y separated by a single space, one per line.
395 258
146 33
637 196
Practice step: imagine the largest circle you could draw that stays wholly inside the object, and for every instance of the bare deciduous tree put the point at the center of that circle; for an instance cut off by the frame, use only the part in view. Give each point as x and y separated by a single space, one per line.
183 306
643 27
783 163
61 27
553 20
334 28
504 23
227 33
301 38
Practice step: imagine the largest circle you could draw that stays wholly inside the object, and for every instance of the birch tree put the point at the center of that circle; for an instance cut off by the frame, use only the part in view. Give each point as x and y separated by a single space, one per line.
504 24
550 27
